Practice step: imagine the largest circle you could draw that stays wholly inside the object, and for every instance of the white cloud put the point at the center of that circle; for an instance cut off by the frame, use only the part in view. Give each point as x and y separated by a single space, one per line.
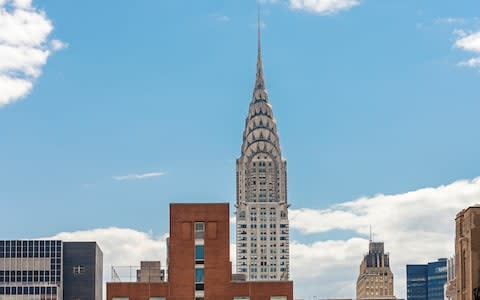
323 7
24 47
471 63
421 221
138 176
471 43
416 227
58 45
450 20
122 248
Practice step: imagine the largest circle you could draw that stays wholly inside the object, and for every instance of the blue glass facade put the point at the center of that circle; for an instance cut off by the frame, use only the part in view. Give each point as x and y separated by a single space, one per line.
426 282
437 277
417 282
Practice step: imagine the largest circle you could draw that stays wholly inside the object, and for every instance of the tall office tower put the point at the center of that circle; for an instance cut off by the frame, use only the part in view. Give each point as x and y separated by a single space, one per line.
261 206
82 271
467 253
48 270
375 280
426 282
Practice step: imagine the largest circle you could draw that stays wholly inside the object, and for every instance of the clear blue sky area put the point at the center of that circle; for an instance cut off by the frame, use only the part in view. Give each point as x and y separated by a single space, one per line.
369 100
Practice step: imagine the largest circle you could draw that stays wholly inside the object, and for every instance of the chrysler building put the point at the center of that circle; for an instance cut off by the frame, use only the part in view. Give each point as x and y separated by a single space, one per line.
261 207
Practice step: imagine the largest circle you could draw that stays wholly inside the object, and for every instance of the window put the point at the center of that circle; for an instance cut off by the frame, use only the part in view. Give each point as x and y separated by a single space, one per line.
78 269
120 298
199 254
158 298
199 275
241 298
199 230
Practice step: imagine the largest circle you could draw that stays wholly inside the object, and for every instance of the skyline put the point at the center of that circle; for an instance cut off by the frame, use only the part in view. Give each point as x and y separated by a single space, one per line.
127 110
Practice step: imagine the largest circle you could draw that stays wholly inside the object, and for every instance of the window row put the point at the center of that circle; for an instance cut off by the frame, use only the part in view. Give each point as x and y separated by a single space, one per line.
31 290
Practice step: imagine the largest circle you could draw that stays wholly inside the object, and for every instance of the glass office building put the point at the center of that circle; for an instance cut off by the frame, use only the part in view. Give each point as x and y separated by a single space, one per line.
417 282
437 277
426 282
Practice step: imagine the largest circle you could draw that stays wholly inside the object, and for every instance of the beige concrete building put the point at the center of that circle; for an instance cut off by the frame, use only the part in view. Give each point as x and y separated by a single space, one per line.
467 253
150 271
375 280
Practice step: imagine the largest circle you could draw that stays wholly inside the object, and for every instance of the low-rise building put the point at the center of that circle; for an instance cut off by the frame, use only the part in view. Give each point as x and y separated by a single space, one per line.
50 270
199 264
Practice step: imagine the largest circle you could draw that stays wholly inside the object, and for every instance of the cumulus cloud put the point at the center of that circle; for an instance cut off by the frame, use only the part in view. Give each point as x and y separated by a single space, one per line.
420 221
323 7
416 227
138 176
470 43
121 246
24 47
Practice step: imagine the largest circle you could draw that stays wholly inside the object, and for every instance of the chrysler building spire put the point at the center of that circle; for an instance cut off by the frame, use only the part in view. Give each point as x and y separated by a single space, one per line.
260 81
262 208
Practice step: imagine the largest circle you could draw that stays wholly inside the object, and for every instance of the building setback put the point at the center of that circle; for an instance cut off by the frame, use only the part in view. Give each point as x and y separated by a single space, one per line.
261 206
467 253
375 280
199 264
50 270
427 282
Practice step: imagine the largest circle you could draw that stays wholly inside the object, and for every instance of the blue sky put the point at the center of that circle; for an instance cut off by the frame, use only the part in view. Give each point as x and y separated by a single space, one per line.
370 99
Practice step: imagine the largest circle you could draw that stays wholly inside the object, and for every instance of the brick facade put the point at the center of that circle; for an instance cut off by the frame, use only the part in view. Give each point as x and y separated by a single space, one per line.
467 254
218 284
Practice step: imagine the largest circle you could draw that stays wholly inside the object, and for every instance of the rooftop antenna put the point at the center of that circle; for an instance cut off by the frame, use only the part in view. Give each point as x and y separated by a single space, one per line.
371 235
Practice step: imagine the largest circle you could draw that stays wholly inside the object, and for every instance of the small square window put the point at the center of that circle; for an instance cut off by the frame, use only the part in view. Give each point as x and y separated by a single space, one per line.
78 269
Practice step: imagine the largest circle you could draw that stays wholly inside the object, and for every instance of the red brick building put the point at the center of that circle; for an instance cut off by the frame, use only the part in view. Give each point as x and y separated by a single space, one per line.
199 266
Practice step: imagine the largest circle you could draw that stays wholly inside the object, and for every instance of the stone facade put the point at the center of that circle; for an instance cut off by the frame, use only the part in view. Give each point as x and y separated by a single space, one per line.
199 262
375 280
262 208
467 254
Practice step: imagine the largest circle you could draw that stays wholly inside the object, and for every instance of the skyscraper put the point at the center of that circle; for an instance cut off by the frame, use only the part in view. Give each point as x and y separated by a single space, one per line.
426 282
261 206
417 282
375 280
